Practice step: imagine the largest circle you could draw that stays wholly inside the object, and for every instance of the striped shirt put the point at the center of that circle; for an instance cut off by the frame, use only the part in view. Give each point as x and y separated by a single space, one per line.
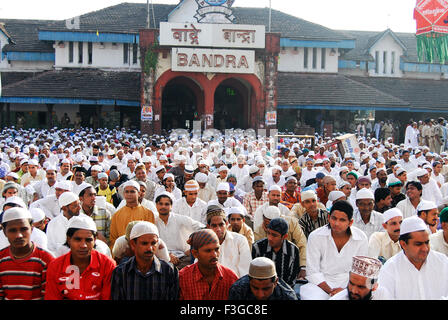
193 285
287 259
23 279
308 225
161 282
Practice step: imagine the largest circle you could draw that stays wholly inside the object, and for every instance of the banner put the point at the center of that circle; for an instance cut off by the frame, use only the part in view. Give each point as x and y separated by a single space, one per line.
147 114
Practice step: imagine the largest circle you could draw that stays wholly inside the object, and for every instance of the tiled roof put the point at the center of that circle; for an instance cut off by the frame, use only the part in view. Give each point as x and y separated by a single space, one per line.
302 89
81 84
9 78
24 34
419 93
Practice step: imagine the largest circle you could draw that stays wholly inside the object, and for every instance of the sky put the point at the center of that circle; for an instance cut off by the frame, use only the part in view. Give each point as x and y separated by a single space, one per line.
365 15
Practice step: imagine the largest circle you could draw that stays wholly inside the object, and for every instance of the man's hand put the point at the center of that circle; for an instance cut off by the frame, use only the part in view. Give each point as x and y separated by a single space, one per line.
302 274
173 259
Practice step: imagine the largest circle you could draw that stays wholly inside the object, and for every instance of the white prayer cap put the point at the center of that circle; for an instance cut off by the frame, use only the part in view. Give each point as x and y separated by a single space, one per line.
309 194
365 194
335 195
391 213
223 168
143 227
63 184
425 205
235 210
168 175
13 175
366 267
102 175
51 168
223 186
201 177
400 171
191 185
271 212
381 169
421 172
78 158
14 200
412 224
37 214
66 198
111 152
30 190
381 159
16 213
159 168
253 169
364 156
343 168
85 223
275 187
132 183
23 161
146 159
189 169
33 162
96 168
65 161
262 268
84 186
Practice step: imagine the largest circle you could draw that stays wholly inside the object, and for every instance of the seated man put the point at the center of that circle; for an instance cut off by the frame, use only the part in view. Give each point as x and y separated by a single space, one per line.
262 283
313 217
276 247
237 223
330 250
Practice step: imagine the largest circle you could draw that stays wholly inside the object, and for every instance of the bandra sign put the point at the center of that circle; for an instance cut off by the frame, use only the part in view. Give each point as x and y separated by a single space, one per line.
213 60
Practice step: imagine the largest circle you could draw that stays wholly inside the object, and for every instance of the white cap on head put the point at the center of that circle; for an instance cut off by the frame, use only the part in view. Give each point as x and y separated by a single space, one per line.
412 224
271 212
335 195
132 183
191 185
66 198
366 267
96 168
15 200
391 213
63 184
253 169
102 175
275 187
143 227
168 175
201 177
309 194
223 186
223 168
234 210
37 214
365 194
16 213
85 223
425 205
421 172
33 162
65 161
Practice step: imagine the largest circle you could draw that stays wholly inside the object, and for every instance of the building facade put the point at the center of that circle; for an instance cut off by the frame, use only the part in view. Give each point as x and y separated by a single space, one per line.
228 67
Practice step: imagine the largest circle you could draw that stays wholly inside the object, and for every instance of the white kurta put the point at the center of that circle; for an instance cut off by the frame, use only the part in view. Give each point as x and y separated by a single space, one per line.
381 245
438 243
404 282
57 231
197 211
431 192
325 264
406 208
235 253
49 205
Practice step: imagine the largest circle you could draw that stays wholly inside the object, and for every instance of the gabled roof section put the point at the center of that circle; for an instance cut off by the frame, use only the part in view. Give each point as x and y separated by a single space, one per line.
375 39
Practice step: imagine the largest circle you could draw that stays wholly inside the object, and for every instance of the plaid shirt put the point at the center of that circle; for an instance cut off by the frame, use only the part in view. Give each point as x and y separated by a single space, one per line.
193 286
102 220
251 203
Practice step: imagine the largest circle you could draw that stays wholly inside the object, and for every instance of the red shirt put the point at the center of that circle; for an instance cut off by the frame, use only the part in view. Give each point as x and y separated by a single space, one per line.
23 279
193 286
93 284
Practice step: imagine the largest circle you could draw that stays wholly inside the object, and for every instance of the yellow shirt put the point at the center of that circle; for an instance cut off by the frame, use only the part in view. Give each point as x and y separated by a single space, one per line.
108 193
247 232
122 217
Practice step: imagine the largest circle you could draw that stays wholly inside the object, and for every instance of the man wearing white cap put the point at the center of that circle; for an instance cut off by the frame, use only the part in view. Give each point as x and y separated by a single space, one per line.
206 191
34 174
275 178
384 245
89 270
362 284
240 170
262 283
144 276
431 192
223 199
140 175
47 186
246 182
237 223
93 178
168 185
20 257
416 273
313 217
175 229
65 171
429 213
57 227
132 211
50 204
365 218
191 205
308 173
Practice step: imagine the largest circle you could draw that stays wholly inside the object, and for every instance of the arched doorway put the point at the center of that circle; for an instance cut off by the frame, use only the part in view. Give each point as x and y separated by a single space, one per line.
181 102
232 104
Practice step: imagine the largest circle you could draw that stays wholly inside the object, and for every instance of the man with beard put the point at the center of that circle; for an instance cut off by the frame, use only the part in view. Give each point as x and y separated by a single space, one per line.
207 279
384 245
46 187
362 283
262 283
429 213
144 276
381 182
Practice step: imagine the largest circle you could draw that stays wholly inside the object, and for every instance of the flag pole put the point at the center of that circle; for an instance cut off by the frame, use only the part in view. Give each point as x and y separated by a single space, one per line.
270 15
148 19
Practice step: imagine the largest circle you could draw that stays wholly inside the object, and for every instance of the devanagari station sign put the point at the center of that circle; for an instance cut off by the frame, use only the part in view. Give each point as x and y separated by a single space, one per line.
212 35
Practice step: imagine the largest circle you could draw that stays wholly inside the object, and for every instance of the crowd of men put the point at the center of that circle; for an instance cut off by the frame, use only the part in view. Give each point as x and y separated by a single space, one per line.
119 215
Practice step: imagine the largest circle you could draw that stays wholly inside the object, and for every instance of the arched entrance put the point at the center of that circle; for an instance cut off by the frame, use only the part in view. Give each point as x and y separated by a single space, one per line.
182 99
232 104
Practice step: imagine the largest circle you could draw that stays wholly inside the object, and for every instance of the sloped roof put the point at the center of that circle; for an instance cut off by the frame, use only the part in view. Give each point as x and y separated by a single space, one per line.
9 78
295 89
78 84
